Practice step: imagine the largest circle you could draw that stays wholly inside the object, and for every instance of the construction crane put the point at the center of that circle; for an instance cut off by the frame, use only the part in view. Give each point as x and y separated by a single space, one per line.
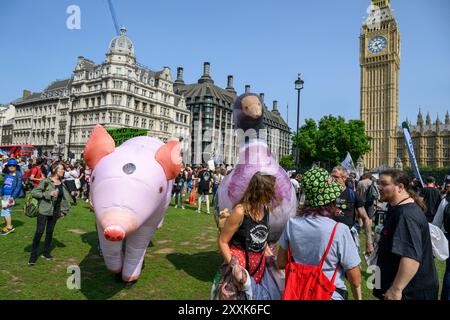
113 15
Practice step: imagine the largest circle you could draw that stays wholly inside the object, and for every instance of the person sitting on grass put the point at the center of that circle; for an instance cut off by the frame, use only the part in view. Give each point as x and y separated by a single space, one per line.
54 203
10 191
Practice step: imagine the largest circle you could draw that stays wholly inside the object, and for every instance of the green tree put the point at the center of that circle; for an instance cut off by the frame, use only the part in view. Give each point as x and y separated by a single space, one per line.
287 162
330 140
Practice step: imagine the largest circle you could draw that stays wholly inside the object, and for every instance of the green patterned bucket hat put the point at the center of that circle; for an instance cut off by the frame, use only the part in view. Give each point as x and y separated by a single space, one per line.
320 188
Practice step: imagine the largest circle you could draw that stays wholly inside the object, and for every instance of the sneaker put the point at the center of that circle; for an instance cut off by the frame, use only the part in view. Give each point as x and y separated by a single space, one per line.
207 212
6 231
182 207
198 210
47 256
176 206
32 261
87 200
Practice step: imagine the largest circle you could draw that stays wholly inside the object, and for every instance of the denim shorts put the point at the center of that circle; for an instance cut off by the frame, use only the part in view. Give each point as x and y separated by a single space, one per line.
6 212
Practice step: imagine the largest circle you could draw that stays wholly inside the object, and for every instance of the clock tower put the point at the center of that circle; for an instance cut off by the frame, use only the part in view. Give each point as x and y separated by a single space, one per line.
380 64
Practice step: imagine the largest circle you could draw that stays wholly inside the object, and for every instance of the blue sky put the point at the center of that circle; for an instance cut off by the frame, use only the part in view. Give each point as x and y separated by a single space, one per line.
264 43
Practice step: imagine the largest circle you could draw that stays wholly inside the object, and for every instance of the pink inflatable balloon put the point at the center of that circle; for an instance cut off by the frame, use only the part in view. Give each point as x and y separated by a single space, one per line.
253 157
130 192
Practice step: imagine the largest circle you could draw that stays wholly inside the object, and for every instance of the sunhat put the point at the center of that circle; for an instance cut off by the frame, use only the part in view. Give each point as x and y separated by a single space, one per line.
320 188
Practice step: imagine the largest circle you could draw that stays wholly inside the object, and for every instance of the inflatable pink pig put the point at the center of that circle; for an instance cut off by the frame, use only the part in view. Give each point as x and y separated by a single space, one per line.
130 193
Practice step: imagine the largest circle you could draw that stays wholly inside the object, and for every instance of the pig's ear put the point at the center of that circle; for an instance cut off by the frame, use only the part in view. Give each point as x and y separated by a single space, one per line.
100 144
169 157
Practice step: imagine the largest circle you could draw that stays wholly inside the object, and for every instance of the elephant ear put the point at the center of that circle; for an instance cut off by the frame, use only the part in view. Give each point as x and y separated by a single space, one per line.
169 157
99 145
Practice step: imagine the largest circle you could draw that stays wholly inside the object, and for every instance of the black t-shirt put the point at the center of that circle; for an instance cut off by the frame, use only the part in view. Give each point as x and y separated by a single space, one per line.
252 235
205 179
57 203
348 202
406 234
83 179
432 198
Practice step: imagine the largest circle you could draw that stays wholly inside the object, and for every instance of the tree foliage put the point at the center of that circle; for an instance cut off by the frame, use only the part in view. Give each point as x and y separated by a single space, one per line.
330 140
287 162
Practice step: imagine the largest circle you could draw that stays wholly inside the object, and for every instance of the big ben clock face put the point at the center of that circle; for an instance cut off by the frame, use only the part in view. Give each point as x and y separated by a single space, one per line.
377 44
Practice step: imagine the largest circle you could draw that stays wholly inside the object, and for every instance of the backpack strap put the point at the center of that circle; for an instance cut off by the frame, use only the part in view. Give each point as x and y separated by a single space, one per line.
322 261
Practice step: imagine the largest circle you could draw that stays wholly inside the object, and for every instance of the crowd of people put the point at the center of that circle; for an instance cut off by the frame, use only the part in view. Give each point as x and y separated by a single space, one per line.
409 221
56 184
200 181
394 211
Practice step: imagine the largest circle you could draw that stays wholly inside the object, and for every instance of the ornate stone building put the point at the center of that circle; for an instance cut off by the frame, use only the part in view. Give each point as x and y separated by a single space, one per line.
380 64
431 142
213 135
119 93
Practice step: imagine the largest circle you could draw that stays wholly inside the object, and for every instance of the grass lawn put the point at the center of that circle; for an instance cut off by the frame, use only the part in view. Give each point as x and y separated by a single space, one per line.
181 265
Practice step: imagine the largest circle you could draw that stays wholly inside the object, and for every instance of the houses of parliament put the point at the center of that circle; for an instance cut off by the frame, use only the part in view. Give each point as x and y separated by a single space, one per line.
380 49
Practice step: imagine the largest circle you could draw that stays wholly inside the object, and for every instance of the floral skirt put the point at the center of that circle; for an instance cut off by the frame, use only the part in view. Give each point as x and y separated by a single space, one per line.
254 258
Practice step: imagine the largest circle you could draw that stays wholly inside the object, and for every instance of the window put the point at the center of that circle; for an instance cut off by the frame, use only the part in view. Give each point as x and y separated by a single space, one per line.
446 153
150 124
446 141
127 119
116 99
136 121
430 153
119 70
117 84
144 123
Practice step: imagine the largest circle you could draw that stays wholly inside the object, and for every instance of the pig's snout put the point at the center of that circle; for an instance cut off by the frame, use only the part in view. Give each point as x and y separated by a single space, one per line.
114 233
118 224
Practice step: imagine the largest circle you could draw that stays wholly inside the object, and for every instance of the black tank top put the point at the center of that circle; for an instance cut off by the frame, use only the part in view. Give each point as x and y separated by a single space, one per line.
252 235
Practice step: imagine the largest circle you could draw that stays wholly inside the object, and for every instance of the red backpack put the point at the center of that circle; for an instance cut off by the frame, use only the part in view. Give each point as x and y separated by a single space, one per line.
305 282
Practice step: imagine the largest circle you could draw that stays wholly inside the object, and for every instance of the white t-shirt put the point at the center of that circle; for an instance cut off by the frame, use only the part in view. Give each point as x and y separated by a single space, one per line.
295 184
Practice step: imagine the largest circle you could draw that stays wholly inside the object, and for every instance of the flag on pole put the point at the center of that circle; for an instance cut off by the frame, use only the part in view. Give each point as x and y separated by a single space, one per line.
349 165
412 155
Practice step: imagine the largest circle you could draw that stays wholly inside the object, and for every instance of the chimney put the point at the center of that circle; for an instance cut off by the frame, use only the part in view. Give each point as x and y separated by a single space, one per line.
247 88
206 70
179 76
26 93
447 118
261 97
275 106
230 84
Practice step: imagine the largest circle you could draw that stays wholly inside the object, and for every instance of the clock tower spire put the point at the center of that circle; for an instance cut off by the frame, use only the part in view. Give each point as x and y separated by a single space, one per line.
380 65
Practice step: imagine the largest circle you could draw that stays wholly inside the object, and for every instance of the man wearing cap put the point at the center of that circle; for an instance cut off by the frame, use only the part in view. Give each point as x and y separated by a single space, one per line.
10 191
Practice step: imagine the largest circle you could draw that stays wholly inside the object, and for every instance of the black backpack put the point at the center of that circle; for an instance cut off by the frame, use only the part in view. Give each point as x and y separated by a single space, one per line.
447 215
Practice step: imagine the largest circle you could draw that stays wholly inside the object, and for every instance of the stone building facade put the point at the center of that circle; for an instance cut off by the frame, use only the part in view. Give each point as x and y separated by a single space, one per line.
213 135
119 93
431 142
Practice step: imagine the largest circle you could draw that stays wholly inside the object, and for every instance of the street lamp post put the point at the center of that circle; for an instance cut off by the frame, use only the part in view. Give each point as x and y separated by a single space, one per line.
72 98
298 86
